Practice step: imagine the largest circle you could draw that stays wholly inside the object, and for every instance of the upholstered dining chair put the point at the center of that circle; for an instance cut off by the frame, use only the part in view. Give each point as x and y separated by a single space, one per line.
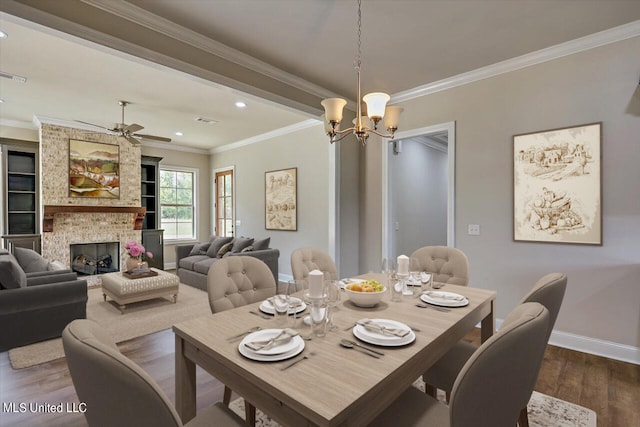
304 260
447 265
549 291
234 282
492 386
116 391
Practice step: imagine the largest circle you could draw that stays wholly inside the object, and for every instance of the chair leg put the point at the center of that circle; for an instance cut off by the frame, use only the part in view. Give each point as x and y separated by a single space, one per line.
250 413
448 396
523 419
226 399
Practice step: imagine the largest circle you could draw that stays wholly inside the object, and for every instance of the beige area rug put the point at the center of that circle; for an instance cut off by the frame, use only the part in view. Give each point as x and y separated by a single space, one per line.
139 319
544 411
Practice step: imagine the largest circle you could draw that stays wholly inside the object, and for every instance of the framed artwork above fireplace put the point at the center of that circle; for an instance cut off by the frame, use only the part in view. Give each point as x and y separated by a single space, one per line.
94 169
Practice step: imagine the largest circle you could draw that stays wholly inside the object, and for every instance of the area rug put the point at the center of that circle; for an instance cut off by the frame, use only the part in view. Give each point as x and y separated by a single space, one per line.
141 318
543 410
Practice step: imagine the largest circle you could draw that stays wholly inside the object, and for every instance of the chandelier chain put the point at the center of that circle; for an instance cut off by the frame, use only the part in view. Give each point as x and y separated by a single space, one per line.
358 60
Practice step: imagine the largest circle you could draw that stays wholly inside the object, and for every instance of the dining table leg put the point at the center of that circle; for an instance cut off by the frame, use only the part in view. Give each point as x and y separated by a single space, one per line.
185 383
488 324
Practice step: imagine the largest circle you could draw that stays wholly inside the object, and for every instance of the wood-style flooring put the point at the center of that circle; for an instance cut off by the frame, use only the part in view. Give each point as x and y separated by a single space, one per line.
610 388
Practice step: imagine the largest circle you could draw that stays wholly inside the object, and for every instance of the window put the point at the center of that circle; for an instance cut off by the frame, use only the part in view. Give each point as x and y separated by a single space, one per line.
177 203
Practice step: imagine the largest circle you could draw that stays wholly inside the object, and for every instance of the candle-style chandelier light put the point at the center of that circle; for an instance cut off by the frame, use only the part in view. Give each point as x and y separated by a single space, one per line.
376 108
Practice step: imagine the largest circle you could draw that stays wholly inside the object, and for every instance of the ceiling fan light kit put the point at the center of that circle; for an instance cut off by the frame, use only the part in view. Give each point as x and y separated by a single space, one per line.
128 131
376 108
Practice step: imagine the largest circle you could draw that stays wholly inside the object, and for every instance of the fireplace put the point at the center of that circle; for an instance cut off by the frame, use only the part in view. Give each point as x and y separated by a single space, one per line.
89 259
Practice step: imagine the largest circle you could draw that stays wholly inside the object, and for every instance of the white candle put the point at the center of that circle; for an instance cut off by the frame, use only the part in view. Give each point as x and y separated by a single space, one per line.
316 282
403 264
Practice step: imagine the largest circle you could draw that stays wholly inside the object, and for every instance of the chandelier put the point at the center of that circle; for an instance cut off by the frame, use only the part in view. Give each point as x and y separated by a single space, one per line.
377 108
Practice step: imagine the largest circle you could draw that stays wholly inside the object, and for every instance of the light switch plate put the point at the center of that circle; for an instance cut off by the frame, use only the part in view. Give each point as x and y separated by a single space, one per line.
474 229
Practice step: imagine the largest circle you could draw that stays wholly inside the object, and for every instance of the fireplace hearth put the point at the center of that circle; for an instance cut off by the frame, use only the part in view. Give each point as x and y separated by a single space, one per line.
89 259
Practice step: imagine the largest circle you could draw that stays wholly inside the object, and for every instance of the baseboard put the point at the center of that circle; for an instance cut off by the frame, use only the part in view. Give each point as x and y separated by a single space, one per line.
169 266
608 349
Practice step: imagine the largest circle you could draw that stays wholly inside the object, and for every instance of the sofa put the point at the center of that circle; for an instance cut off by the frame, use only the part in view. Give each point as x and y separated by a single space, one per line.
36 301
194 260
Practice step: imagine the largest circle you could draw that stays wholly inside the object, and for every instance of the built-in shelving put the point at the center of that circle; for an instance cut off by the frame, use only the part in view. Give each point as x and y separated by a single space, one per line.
152 237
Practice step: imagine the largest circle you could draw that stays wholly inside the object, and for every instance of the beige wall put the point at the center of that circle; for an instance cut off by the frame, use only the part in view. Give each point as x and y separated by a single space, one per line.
307 150
601 309
196 160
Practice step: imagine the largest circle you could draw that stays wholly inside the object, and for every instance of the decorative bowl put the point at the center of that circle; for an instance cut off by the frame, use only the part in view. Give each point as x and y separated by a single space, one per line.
365 299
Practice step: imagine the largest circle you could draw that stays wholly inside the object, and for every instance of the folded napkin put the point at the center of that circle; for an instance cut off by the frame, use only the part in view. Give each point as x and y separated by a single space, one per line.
381 329
282 338
441 295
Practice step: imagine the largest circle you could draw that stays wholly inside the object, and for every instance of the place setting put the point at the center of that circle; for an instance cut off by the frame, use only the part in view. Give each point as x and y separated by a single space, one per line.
444 299
271 345
383 332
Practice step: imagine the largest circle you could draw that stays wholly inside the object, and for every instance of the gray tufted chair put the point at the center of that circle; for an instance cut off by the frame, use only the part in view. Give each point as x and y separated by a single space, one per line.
116 391
548 291
448 265
492 386
304 260
234 282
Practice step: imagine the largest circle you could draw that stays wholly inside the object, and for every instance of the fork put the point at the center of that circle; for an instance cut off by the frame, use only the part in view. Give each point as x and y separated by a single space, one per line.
423 305
264 316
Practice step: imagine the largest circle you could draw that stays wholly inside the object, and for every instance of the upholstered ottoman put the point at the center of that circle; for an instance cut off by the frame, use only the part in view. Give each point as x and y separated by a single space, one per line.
125 291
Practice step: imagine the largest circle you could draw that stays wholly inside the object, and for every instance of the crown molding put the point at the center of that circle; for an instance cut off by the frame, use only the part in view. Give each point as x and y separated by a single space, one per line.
17 124
268 135
601 38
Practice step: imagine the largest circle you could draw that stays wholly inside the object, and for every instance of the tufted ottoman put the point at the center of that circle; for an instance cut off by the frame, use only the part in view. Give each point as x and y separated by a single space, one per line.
125 291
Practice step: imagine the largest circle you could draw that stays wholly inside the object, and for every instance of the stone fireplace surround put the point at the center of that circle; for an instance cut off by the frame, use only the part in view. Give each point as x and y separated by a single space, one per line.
85 220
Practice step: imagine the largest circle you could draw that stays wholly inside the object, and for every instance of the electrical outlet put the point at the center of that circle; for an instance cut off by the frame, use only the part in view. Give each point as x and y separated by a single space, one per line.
474 229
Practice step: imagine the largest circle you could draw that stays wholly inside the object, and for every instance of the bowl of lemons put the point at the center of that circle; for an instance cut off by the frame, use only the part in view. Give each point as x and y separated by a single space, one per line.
365 293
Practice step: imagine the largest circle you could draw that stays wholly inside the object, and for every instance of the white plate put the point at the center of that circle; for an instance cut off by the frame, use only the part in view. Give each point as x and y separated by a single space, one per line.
279 352
267 307
444 301
372 337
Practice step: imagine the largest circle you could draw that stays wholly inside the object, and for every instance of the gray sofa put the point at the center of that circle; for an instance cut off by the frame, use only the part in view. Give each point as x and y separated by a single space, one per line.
194 260
36 303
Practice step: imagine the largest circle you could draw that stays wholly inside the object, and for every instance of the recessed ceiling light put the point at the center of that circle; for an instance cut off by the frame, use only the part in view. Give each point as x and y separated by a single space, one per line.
3 35
1 100
240 104
179 133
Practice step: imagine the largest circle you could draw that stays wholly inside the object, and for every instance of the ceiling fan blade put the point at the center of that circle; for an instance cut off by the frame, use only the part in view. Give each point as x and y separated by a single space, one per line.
157 138
134 127
131 139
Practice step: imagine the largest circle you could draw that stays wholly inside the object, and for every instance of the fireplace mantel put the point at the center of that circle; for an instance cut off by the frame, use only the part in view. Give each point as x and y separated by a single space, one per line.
51 210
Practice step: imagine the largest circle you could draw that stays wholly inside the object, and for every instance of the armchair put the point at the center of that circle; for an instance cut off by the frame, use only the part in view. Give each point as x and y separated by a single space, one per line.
37 306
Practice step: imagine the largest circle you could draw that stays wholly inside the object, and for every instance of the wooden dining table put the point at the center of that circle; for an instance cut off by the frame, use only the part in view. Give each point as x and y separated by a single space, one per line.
335 385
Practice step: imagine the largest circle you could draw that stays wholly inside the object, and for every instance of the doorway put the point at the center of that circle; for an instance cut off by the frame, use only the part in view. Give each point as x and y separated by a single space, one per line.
418 190
223 208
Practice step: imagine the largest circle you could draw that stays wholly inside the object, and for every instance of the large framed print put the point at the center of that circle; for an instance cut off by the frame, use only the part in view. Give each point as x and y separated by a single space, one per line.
94 169
557 185
280 195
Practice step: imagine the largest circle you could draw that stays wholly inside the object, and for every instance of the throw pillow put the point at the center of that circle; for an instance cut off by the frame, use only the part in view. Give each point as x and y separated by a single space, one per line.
30 260
11 275
247 249
240 243
215 246
200 248
259 245
225 249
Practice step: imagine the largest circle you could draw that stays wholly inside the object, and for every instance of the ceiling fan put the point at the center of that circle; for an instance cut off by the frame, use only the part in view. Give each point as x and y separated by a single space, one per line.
128 131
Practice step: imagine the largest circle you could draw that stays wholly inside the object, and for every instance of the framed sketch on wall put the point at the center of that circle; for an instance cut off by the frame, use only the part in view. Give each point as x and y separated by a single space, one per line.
94 169
557 186
281 199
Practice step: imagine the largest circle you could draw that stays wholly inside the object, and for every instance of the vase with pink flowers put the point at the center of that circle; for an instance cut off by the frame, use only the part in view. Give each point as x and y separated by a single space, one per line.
137 252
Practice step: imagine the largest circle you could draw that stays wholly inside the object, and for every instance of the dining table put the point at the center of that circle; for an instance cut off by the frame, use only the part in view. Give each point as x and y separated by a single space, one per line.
333 385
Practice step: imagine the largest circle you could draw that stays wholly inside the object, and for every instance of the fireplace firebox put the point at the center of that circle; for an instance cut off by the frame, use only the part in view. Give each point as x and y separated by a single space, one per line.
88 259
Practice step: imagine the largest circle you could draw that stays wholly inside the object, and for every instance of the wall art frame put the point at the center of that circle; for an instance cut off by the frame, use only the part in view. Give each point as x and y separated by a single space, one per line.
94 169
557 185
281 199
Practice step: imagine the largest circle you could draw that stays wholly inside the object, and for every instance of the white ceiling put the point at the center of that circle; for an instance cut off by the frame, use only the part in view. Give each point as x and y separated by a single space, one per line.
406 44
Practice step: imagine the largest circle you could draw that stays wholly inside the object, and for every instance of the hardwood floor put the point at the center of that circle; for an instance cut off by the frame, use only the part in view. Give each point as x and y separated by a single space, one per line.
610 388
